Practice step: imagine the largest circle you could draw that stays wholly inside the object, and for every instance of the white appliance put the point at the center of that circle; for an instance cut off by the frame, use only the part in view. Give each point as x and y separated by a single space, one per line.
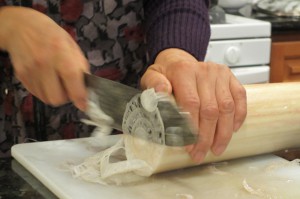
244 45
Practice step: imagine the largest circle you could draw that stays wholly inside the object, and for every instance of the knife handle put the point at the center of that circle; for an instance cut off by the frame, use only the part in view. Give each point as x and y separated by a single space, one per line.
39 119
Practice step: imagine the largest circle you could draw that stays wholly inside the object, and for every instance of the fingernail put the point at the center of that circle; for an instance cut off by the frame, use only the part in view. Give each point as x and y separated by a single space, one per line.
219 149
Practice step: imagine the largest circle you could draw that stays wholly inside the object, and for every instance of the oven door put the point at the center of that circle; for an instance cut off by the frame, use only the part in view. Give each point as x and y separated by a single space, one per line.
252 74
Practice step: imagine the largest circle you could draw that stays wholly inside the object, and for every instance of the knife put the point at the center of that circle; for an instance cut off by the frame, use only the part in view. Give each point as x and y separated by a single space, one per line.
165 124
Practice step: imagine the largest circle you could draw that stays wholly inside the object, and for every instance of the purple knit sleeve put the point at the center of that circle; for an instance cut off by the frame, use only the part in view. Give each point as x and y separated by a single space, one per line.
182 24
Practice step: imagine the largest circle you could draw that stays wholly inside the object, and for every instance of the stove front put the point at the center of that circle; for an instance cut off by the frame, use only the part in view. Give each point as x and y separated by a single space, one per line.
244 45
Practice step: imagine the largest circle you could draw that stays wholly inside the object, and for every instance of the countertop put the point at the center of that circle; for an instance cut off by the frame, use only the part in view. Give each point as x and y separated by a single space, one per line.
279 24
16 182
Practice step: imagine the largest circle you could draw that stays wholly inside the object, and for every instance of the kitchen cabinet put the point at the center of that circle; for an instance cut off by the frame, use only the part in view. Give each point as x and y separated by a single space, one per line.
285 57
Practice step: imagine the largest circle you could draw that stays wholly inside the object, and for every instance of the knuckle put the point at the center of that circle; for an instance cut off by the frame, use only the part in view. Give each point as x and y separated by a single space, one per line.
182 65
226 106
39 61
205 65
241 92
210 112
208 63
57 42
224 69
68 69
192 102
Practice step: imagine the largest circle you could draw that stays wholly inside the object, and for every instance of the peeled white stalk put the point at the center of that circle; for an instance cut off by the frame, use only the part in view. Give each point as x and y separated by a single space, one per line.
272 124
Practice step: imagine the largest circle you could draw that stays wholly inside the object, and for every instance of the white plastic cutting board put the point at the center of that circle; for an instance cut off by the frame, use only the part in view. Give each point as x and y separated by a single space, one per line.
266 176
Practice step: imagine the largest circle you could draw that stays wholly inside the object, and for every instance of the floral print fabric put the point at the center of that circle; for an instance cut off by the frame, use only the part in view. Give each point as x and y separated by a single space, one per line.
110 34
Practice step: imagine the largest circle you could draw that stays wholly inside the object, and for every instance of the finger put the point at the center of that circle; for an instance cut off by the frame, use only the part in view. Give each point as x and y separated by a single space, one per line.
46 87
208 111
240 100
72 77
154 79
226 112
185 91
52 87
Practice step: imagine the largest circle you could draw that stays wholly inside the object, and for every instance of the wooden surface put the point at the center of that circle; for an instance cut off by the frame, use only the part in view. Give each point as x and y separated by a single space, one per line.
285 61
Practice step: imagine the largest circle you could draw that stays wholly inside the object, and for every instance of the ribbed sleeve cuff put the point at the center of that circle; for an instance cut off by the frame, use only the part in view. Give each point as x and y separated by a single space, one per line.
182 24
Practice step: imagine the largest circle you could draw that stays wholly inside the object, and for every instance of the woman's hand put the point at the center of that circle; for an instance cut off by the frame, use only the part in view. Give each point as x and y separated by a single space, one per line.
208 91
45 57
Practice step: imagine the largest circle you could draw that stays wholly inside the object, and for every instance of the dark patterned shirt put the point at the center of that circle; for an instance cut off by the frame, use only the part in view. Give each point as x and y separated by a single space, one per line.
120 38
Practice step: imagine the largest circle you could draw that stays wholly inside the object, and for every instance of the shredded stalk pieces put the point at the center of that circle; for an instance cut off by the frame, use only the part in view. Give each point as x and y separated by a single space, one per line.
115 165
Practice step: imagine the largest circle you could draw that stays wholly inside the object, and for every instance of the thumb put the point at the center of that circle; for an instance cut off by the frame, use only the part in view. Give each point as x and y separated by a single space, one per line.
156 80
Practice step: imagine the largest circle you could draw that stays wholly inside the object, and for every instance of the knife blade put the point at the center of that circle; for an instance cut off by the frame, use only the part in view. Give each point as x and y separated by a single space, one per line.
165 125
